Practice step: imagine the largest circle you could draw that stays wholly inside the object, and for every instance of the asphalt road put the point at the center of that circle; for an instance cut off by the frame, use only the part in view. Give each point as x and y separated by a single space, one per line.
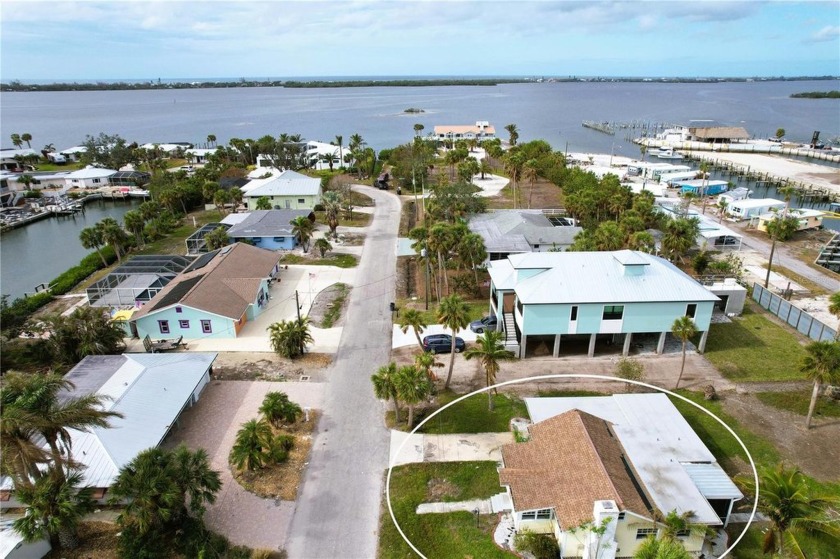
783 257
337 513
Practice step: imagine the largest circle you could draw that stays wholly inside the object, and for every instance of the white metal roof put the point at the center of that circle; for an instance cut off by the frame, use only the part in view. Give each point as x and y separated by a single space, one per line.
150 390
600 277
756 203
90 173
287 183
659 443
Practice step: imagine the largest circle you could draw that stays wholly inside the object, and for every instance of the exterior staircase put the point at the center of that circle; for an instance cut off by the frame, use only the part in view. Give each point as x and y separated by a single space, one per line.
511 343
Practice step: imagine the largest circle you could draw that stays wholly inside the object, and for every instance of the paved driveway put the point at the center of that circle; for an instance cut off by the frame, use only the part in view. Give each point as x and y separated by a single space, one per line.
242 517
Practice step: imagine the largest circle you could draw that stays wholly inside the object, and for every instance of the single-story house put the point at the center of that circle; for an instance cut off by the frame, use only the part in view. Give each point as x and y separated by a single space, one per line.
542 298
616 462
269 229
213 297
805 218
168 149
74 153
199 156
482 130
150 390
89 177
739 210
196 244
701 187
289 190
712 235
135 282
654 171
508 232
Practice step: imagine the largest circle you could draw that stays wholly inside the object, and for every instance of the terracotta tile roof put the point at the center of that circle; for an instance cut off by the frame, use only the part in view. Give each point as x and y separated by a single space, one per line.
571 461
225 286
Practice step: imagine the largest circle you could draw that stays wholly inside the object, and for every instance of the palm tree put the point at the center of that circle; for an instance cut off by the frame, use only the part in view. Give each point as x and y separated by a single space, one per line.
263 203
722 205
513 131
340 141
197 482
684 329
413 386
134 222
385 388
91 238
217 238
236 197
21 454
785 499
323 246
220 198
418 128
513 162
56 506
665 548
302 228
704 170
530 174
113 234
822 366
680 235
277 408
289 337
211 139
834 308
426 361
252 446
16 141
27 137
331 201
453 313
489 351
412 318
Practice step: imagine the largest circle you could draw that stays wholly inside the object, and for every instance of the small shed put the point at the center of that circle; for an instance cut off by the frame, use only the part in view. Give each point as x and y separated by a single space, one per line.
732 296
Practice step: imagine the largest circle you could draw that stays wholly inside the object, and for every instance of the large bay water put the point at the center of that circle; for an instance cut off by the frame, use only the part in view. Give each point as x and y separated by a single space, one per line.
38 252
549 111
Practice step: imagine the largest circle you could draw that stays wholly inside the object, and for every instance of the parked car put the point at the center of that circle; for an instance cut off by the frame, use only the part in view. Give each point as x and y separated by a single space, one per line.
442 343
486 323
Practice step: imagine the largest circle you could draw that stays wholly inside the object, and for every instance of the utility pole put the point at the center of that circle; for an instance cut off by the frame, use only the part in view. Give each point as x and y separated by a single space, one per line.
297 305
425 254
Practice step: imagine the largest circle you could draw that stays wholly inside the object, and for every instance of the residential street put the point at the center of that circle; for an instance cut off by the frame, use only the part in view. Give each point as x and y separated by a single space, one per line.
337 513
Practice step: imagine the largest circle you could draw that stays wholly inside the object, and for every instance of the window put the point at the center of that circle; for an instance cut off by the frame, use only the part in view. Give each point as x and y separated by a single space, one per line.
96 181
691 310
683 533
179 309
573 316
621 516
163 325
544 514
279 239
613 312
301 201
642 533
206 327
184 324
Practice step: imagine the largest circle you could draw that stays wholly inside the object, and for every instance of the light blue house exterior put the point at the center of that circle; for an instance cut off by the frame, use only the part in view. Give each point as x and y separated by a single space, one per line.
606 296
214 298
268 229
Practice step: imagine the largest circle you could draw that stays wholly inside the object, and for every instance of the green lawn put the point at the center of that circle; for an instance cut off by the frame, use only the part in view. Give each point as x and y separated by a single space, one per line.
42 166
174 243
478 308
472 416
359 219
339 260
752 348
452 535
798 401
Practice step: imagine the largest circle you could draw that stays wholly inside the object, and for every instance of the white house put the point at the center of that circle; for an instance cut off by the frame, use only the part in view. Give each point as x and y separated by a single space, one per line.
613 461
482 130
89 177
168 149
805 218
150 390
739 210
316 152
199 156
507 232
74 153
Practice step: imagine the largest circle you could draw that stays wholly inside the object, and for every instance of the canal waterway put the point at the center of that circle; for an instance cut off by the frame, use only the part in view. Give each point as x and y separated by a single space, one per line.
38 252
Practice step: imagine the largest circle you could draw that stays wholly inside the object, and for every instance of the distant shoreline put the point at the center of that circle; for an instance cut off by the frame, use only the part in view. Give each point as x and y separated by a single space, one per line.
17 86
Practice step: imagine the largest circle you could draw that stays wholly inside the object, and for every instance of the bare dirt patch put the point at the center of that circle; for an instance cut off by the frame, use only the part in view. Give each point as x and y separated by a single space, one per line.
324 307
282 481
98 539
440 489
268 366
543 195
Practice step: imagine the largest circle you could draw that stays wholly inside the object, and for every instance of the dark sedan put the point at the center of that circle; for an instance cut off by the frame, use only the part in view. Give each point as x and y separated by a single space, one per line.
442 343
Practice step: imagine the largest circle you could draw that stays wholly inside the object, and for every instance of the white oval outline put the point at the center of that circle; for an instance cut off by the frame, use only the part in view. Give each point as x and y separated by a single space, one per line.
571 375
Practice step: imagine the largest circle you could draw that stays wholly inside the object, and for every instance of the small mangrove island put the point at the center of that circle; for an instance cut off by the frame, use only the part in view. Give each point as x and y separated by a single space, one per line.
817 95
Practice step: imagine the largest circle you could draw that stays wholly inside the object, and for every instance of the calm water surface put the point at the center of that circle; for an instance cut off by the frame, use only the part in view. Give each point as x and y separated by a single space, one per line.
40 251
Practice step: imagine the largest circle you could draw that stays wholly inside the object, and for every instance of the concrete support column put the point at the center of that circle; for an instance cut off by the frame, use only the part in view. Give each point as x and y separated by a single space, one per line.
627 337
592 345
702 347
522 346
660 347
557 345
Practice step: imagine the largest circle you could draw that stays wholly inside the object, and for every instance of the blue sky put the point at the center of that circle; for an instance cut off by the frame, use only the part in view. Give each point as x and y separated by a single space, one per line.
62 40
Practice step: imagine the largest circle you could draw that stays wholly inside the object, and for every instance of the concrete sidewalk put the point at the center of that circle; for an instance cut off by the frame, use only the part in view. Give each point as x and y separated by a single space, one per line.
447 448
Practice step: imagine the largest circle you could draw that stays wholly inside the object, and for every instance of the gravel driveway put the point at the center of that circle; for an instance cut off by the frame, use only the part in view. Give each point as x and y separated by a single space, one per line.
242 517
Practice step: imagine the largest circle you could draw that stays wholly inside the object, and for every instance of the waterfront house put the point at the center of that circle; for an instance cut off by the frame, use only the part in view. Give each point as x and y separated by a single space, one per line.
89 177
618 462
134 282
73 154
482 130
199 156
739 210
13 159
317 152
175 149
701 187
507 232
288 190
544 298
268 229
213 298
149 390
718 134
805 218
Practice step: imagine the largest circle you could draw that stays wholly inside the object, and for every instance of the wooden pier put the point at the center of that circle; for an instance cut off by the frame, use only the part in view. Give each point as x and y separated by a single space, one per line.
633 128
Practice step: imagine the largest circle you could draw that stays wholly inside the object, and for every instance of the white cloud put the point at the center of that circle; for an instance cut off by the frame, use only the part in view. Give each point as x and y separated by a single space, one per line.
827 33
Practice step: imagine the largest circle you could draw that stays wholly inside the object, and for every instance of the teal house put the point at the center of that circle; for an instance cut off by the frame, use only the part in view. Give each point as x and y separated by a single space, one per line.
213 298
545 299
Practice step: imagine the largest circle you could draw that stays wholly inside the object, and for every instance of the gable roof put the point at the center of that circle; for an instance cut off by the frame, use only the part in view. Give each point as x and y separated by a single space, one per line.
287 183
225 285
267 223
519 230
596 277
659 444
571 461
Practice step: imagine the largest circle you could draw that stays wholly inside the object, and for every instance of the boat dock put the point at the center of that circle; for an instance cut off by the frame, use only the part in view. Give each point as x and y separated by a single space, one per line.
646 128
